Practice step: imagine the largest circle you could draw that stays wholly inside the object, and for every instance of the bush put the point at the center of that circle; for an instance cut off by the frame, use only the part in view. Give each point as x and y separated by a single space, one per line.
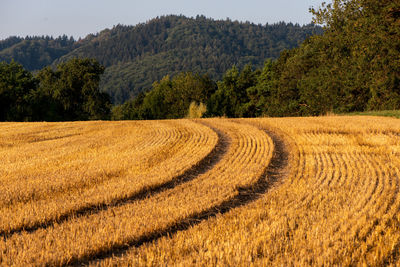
196 110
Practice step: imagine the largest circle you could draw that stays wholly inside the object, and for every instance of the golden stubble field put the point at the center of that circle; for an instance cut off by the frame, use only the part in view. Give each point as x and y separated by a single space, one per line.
220 192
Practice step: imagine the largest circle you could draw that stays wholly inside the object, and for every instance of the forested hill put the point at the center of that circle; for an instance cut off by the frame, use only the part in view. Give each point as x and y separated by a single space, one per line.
36 52
136 56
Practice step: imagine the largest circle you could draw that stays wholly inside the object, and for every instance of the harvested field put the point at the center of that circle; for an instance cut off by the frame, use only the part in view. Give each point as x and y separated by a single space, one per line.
268 191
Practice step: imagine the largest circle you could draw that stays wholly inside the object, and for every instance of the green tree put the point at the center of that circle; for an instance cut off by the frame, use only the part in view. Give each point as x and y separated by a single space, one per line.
45 105
16 85
260 95
169 98
231 97
353 66
75 86
155 105
187 88
364 38
130 110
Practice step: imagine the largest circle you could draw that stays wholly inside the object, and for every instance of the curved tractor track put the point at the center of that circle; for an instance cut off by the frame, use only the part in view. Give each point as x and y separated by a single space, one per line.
217 192
58 202
339 205
230 175
275 171
190 173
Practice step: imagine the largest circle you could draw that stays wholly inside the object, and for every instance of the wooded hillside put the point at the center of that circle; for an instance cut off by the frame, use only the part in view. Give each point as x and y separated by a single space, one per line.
136 56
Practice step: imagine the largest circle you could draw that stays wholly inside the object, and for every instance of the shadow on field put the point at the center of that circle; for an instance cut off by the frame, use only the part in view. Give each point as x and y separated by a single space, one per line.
204 165
274 172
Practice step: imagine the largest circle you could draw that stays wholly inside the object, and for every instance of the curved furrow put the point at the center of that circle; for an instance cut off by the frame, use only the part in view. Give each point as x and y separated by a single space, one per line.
17 156
358 228
382 214
200 223
276 171
125 189
392 229
378 174
326 176
353 223
374 190
365 178
166 147
334 165
322 177
394 180
382 200
317 170
319 167
353 172
343 170
319 182
376 181
340 203
363 189
17 134
354 182
329 171
332 169
375 203
78 240
371 183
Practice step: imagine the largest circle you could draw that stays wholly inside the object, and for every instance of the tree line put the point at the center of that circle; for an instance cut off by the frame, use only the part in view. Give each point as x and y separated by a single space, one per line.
136 56
70 92
353 66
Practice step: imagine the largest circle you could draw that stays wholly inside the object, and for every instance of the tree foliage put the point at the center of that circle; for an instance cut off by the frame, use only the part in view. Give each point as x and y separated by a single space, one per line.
136 56
231 97
170 98
75 85
36 52
16 88
69 93
353 66
359 52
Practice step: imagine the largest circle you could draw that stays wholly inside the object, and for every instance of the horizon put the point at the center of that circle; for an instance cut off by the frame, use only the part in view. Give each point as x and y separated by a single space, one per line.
139 23
57 18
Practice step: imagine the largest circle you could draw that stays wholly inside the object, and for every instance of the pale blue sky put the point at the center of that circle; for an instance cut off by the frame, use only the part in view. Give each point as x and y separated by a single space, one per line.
81 17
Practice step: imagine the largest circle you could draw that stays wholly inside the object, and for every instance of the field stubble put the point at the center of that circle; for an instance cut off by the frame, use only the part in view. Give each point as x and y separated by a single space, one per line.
207 198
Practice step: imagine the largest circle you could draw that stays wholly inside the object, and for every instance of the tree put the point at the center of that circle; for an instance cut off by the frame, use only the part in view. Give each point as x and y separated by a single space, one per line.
130 110
169 98
187 88
231 97
353 66
364 35
75 86
16 84
260 95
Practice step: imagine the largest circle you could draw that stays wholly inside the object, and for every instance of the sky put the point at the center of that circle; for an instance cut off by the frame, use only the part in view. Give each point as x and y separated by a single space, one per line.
79 18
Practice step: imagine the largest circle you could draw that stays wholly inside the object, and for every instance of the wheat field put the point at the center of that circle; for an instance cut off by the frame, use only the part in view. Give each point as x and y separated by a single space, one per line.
316 191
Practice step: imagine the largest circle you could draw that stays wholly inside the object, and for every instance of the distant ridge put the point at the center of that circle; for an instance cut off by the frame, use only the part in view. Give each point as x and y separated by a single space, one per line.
136 56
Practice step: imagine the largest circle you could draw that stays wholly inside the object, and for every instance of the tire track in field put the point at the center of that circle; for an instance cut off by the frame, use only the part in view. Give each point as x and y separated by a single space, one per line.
204 165
275 171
